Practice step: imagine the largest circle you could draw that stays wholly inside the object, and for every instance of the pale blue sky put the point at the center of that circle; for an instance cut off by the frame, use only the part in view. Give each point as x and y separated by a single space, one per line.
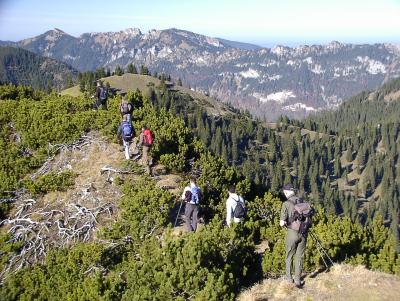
263 22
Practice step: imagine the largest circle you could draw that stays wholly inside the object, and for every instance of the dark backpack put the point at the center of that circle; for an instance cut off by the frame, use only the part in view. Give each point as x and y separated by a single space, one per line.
126 108
127 131
302 217
239 211
103 94
147 138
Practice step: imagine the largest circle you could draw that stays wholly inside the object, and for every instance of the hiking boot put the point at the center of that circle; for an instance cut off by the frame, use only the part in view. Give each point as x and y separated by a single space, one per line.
298 284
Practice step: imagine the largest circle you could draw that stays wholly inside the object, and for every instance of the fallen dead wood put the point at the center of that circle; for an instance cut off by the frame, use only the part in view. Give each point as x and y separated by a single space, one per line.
110 169
51 228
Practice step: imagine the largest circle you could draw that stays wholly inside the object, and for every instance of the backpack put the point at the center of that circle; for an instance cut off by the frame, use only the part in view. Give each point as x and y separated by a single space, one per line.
125 108
147 138
127 131
239 211
103 94
302 217
196 195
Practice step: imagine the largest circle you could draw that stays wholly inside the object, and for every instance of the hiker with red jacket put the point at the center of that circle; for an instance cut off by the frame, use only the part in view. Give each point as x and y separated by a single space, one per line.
146 141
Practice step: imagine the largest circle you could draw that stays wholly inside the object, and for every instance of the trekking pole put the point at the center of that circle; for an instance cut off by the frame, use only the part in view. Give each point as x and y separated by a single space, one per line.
322 256
176 219
321 247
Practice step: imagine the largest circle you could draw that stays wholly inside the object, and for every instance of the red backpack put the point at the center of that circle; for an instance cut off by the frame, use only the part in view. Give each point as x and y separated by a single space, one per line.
147 138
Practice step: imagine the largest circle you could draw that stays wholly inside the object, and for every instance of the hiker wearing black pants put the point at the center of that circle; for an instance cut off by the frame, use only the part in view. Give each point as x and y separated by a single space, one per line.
126 108
295 241
192 196
101 96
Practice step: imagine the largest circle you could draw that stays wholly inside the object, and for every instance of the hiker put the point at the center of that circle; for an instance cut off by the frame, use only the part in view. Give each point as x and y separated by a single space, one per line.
126 108
297 230
101 96
235 208
146 141
192 196
126 132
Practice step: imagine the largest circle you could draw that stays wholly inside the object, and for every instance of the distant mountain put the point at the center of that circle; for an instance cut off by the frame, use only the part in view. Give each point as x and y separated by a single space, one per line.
240 45
22 67
268 82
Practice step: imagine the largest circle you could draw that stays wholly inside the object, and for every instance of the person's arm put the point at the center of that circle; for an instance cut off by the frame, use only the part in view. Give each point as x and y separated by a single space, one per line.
119 132
184 193
97 94
140 139
228 212
284 215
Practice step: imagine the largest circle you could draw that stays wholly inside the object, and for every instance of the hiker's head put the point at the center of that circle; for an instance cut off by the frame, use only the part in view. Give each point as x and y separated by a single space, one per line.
232 189
144 127
288 190
99 83
193 180
124 99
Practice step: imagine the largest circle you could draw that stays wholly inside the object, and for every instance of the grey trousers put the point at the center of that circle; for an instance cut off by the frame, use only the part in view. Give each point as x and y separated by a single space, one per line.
191 215
295 245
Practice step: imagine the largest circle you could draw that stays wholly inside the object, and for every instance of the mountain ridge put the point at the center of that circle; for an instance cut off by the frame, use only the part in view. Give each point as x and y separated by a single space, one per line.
267 81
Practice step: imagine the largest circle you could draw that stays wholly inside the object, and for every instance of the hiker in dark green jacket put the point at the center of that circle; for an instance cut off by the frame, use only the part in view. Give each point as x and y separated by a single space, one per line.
295 242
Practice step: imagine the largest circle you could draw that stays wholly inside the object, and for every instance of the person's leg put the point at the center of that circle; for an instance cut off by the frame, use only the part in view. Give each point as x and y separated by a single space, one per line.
145 150
291 239
126 147
145 158
188 214
195 217
299 259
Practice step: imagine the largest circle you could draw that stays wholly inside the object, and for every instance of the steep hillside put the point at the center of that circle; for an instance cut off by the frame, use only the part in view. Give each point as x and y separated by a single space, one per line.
21 67
105 232
268 82
341 283
343 172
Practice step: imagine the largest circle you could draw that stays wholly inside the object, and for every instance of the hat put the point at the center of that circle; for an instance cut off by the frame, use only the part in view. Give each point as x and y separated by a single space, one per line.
288 187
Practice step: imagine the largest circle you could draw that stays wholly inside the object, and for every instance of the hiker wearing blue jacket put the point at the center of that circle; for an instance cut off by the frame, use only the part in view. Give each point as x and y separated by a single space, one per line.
192 196
125 131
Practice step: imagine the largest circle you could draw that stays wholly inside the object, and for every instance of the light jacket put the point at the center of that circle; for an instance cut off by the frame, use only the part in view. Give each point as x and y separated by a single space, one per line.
188 188
231 203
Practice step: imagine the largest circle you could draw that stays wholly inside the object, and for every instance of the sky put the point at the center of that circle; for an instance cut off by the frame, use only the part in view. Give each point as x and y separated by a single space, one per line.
261 22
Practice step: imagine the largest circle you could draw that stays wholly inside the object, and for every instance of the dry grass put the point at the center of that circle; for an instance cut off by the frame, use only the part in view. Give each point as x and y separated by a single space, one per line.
343 282
73 91
131 82
91 187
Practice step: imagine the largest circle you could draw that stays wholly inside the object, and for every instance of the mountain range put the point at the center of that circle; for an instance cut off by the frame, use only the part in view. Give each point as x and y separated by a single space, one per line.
268 82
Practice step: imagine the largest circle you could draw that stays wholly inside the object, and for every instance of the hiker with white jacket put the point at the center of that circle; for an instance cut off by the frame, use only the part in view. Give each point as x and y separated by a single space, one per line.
235 208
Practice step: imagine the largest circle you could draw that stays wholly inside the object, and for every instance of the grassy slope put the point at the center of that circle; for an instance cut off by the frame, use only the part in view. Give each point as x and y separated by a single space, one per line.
131 82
